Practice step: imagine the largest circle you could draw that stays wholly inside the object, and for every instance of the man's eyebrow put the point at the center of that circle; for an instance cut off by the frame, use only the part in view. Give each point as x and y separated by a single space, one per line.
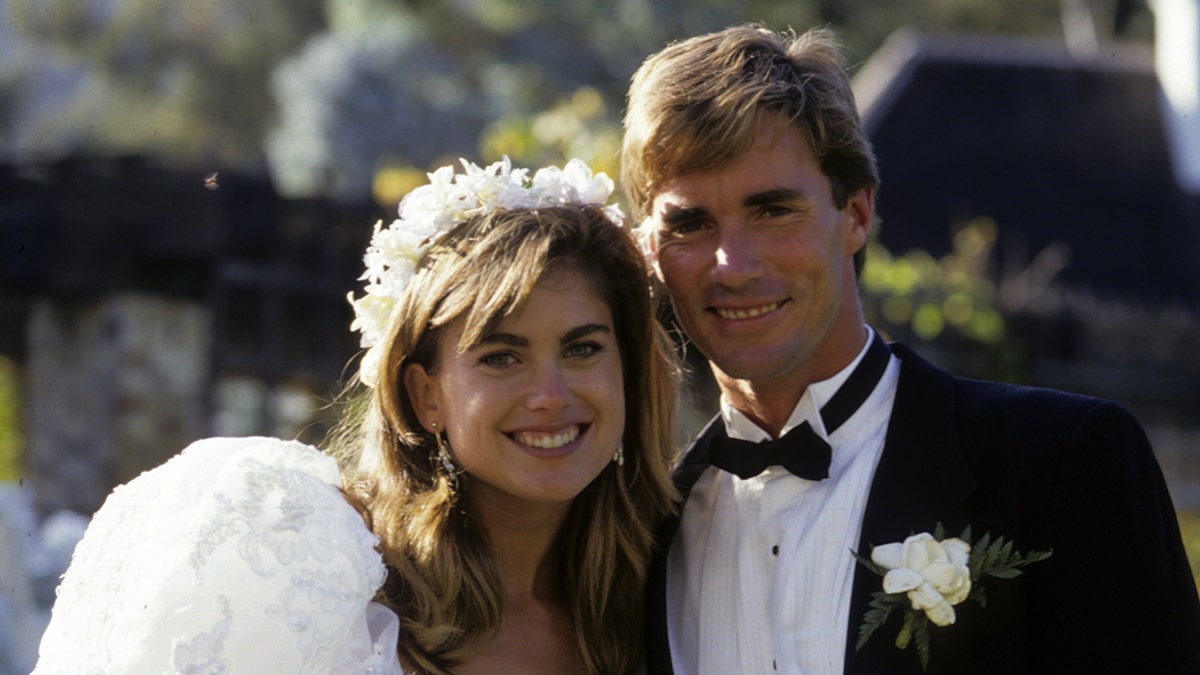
583 331
673 215
774 196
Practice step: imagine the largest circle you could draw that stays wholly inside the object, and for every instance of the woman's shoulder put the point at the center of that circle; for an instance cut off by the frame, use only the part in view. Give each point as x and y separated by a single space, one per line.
224 458
239 552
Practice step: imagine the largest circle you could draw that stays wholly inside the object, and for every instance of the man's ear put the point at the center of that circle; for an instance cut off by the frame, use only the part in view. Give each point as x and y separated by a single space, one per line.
857 218
650 244
425 395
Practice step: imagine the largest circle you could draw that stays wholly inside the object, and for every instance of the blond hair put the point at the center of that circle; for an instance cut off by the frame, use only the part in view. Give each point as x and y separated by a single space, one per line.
443 581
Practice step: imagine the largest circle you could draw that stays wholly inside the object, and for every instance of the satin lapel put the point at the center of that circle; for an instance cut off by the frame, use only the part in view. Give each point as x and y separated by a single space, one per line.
658 645
921 478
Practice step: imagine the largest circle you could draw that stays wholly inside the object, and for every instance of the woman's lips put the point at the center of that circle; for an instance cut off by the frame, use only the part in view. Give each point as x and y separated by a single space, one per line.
548 440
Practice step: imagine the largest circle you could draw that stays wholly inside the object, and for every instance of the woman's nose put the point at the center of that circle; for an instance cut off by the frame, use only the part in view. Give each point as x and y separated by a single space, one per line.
548 390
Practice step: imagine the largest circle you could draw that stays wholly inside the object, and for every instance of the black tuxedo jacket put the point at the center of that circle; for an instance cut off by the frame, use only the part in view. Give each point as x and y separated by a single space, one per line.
1046 470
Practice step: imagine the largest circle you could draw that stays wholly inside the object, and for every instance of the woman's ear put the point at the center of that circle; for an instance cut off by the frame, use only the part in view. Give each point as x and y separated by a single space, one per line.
423 391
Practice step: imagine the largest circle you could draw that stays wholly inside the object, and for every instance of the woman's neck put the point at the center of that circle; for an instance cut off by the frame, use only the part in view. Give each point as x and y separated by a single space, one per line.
537 630
522 537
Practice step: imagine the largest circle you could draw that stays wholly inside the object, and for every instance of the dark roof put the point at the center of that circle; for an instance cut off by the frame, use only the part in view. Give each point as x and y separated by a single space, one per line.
90 225
1053 148
87 224
273 272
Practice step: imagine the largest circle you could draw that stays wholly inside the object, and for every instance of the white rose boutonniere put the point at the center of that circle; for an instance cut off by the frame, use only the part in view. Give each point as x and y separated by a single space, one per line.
933 573
926 575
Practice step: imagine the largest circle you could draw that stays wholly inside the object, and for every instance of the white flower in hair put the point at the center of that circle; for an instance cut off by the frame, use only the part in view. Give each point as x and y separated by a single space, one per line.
429 211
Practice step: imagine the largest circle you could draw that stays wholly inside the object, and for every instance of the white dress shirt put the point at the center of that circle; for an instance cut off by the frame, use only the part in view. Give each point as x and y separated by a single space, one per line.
760 573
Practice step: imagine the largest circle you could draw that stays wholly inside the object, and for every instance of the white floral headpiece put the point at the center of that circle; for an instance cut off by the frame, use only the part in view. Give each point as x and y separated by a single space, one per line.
430 211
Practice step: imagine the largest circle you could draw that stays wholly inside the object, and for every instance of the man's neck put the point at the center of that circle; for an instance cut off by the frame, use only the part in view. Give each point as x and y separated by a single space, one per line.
769 403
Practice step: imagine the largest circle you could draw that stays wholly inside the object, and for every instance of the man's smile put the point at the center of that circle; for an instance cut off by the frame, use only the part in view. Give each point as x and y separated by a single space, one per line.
745 313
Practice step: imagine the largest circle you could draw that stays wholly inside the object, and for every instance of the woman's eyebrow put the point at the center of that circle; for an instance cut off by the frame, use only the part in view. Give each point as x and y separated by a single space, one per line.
507 339
584 330
513 340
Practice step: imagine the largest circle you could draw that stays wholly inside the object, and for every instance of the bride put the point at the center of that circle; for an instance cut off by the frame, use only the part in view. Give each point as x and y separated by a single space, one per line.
496 485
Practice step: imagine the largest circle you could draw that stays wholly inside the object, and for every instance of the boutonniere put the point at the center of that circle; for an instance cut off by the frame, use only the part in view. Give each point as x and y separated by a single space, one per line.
926 575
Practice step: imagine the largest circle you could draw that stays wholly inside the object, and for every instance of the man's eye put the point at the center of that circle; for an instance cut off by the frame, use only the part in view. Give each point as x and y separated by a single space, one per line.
776 211
682 228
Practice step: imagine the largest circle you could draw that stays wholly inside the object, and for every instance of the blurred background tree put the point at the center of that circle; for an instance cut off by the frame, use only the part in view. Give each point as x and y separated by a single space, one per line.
184 81
328 93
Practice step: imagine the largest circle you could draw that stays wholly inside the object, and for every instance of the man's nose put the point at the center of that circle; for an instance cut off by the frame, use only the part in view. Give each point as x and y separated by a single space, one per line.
738 256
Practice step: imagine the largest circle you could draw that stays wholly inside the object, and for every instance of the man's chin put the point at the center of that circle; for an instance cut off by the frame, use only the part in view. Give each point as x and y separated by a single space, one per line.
750 366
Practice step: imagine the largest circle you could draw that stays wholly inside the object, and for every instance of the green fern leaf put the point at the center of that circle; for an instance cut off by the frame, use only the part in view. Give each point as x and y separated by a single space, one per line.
921 637
872 620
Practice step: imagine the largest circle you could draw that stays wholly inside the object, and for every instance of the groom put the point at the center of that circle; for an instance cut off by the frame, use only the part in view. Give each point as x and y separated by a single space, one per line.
745 163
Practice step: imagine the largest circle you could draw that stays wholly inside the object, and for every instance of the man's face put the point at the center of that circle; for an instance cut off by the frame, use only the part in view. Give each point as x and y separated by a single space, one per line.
758 260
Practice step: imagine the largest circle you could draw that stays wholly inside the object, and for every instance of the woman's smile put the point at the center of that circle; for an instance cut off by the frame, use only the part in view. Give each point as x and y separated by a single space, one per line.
542 440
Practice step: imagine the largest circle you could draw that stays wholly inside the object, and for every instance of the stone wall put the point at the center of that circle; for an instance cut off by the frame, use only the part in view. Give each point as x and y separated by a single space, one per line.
112 385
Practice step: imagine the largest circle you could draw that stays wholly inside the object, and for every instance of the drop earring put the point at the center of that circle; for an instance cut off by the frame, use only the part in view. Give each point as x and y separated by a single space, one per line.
445 458
619 455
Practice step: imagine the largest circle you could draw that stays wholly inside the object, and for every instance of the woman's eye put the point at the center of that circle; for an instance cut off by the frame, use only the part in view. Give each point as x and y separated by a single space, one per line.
583 350
498 359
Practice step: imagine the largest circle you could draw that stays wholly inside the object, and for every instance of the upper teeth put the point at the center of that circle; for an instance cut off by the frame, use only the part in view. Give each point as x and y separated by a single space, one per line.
547 440
746 313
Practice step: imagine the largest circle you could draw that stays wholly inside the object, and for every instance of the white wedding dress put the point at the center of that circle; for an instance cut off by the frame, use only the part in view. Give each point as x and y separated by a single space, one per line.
239 556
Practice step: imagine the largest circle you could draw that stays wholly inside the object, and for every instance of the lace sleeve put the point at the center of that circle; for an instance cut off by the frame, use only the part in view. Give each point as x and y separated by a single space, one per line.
236 556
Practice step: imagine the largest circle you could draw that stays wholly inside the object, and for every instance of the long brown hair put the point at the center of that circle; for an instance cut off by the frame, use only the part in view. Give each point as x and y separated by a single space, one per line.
443 580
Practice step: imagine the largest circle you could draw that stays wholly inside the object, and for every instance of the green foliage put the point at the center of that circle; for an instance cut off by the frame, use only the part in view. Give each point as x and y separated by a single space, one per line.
997 559
882 605
190 81
182 80
11 441
578 125
1189 528
914 292
869 23
919 629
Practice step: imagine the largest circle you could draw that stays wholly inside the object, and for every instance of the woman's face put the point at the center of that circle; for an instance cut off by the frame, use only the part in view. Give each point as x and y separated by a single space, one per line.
535 410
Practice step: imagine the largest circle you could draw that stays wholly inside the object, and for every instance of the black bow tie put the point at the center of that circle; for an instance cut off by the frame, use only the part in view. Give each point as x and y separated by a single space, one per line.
801 451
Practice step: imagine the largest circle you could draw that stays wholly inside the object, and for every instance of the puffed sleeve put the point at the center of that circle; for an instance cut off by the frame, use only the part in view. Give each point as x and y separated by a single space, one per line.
235 556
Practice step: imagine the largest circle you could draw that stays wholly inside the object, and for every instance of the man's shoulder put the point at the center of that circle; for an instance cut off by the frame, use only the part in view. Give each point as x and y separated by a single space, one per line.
991 398
1021 418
